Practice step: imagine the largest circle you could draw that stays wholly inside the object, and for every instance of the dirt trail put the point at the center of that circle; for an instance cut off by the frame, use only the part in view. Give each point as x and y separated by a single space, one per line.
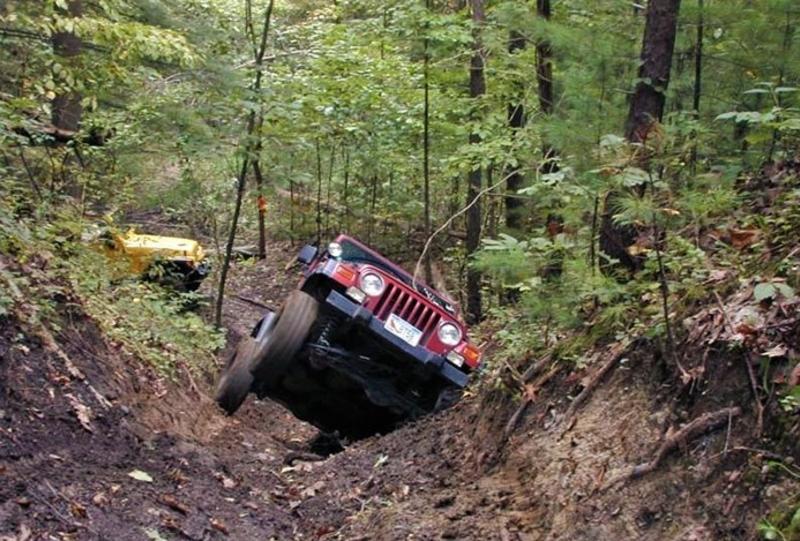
163 463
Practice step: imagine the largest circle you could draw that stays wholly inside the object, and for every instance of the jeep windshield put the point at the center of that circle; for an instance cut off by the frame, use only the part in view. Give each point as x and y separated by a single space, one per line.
356 254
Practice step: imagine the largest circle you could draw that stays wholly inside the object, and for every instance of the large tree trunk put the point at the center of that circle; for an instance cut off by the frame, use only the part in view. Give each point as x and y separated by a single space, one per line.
544 78
477 88
66 107
647 105
644 114
516 121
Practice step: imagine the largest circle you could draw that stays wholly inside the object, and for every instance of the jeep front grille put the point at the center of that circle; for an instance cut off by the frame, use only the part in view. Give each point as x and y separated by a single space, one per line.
397 300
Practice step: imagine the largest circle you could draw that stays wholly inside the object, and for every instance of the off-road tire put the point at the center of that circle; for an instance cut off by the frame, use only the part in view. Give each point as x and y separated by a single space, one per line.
236 378
290 333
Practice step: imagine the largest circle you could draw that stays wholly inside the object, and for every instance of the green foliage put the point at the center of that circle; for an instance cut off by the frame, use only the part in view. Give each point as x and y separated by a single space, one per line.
772 290
156 325
150 322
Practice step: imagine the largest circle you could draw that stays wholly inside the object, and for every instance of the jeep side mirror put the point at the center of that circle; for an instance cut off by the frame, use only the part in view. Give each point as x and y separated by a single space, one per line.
307 254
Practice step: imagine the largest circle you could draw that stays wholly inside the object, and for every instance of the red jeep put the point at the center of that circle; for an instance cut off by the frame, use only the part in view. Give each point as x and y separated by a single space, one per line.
356 347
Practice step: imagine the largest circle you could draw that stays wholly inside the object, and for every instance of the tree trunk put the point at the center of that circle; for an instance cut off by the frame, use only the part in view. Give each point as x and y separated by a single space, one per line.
319 193
647 105
426 149
242 177
260 200
66 108
477 88
328 191
645 112
544 78
516 121
698 77
346 217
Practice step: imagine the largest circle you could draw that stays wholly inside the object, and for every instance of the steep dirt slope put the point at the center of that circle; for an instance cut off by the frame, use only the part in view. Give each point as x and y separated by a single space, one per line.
100 447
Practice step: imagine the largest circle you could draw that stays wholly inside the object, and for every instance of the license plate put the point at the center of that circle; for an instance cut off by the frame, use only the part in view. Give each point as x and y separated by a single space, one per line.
403 329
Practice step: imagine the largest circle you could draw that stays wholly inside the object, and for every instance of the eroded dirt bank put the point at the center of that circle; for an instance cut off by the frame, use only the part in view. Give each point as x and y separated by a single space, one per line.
95 446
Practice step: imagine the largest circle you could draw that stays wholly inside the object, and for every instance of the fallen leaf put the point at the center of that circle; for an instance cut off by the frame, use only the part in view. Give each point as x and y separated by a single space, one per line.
77 510
219 525
100 499
742 238
82 412
381 460
778 351
718 275
312 490
24 534
139 475
178 476
172 502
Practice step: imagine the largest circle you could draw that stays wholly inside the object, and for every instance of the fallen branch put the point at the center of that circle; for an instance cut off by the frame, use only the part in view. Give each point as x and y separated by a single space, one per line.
529 396
696 427
614 355
751 374
254 302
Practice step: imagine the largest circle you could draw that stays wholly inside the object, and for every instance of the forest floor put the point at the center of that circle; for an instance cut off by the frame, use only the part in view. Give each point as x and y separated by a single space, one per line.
93 445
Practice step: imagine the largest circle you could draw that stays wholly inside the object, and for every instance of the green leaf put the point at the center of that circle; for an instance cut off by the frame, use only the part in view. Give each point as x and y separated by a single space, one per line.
633 176
764 291
785 290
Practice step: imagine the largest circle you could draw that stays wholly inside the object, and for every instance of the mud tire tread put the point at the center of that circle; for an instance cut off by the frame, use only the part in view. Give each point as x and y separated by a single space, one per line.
291 331
236 379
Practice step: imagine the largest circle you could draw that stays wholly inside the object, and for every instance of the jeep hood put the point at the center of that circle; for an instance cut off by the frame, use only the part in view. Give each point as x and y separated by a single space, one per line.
173 247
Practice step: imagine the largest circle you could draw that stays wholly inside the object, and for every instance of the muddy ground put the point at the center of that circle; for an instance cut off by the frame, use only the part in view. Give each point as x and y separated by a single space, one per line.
99 447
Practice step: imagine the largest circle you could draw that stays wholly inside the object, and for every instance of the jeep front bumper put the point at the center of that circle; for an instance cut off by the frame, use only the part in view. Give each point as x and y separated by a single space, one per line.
362 316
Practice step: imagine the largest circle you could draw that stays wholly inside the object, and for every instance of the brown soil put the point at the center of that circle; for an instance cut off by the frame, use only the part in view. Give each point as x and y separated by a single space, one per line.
66 460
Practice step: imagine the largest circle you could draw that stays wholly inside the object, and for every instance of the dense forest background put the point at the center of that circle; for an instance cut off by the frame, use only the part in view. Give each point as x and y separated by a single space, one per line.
574 173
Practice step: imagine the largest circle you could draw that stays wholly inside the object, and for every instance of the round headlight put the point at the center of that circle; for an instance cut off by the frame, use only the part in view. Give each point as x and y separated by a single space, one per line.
449 334
371 284
335 249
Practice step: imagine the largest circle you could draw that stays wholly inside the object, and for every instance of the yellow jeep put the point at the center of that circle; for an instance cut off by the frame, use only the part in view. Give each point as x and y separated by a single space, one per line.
172 261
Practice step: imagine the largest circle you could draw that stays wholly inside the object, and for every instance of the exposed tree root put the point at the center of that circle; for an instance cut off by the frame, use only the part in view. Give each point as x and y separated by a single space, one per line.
750 372
529 396
696 427
613 355
536 368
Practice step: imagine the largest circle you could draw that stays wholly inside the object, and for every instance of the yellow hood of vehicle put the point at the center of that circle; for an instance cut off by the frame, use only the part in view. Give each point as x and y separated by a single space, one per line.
156 245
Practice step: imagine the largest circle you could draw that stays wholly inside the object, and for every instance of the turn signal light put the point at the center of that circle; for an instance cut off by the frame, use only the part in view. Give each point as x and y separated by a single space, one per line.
345 274
472 355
